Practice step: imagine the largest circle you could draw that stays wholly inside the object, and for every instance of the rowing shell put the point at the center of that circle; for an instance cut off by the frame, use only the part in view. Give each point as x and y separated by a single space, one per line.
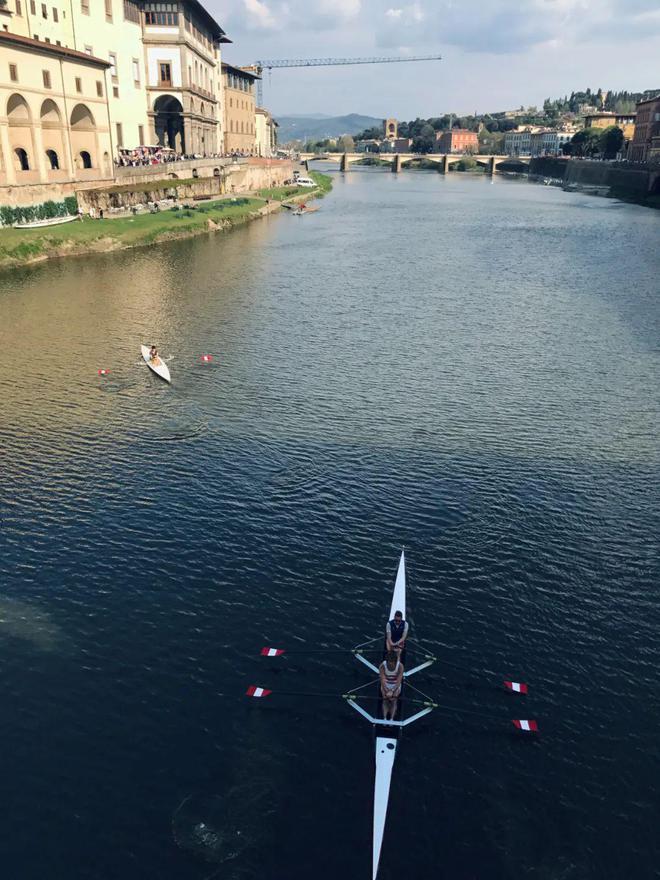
386 741
160 369
387 733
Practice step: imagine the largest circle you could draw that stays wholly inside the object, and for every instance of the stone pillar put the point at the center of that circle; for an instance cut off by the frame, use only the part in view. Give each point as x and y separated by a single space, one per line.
444 164
8 154
40 155
396 164
343 163
491 166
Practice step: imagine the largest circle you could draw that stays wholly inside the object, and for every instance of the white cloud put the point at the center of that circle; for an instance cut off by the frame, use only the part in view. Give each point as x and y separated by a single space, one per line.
341 8
259 15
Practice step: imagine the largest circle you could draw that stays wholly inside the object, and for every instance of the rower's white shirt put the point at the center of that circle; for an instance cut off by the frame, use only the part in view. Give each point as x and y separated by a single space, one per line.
391 674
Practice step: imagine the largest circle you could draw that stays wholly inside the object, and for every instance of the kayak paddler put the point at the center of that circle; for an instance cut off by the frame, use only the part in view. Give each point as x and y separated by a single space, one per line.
396 633
391 676
153 356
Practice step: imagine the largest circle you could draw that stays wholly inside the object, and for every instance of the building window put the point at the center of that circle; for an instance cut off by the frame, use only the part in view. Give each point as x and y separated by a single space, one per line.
54 161
161 13
44 10
108 10
19 7
36 37
33 7
120 135
13 73
115 91
89 50
22 159
46 78
112 58
84 6
85 159
99 88
47 39
164 73
136 71
78 85
141 134
56 16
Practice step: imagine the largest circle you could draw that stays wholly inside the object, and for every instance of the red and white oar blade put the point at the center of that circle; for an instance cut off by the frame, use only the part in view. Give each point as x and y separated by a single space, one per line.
254 691
516 687
526 725
272 652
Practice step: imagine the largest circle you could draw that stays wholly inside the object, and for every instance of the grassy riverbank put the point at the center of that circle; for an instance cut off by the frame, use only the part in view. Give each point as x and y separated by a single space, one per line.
21 246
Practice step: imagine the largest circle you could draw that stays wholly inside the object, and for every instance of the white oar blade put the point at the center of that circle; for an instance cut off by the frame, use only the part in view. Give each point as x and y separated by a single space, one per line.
385 754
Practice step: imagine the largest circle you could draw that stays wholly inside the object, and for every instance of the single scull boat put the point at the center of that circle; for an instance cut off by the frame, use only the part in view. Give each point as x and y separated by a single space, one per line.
160 369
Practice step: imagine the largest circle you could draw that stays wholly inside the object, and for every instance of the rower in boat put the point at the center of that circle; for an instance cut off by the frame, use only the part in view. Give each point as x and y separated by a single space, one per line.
396 633
153 356
391 677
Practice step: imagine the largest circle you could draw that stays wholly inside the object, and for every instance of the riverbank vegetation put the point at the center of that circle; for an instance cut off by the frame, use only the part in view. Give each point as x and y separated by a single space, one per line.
21 246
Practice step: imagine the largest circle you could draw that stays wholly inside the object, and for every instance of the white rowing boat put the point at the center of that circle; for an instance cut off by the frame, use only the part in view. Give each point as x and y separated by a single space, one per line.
388 733
160 369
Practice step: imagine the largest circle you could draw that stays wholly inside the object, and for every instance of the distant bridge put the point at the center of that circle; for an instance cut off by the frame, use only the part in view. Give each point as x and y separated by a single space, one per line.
444 161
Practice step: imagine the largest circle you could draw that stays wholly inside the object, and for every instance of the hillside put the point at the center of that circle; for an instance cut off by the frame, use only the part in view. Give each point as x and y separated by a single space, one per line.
317 128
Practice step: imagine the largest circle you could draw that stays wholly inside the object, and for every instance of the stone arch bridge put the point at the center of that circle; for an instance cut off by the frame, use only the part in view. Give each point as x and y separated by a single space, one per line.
444 161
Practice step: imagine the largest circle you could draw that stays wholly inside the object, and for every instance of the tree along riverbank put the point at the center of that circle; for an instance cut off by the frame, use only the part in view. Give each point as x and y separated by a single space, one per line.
20 247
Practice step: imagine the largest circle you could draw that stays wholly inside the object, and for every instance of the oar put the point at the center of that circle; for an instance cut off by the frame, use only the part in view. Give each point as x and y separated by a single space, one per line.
277 652
260 692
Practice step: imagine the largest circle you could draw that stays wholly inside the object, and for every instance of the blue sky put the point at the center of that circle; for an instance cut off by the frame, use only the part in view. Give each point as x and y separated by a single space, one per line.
497 54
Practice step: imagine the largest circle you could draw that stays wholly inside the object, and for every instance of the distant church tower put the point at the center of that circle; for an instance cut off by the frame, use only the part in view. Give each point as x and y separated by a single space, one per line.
391 129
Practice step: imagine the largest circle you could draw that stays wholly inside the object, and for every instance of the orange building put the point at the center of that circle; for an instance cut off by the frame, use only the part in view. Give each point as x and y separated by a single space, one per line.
624 121
240 110
458 140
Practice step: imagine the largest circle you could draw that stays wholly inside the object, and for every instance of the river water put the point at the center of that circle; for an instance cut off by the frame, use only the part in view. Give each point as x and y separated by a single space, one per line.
464 368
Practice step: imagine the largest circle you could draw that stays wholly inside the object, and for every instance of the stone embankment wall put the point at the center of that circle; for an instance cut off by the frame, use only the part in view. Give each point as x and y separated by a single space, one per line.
219 175
150 186
613 177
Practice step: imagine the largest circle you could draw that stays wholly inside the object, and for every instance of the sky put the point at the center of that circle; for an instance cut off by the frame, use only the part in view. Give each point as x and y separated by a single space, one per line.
496 54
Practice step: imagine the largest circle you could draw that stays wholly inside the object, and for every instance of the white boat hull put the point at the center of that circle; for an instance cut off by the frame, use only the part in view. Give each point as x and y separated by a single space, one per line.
385 755
160 369
387 742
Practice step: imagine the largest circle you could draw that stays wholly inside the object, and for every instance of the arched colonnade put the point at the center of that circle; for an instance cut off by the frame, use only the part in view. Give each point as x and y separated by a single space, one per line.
50 141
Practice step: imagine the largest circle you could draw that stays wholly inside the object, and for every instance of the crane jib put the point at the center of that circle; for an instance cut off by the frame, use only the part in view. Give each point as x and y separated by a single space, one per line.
260 66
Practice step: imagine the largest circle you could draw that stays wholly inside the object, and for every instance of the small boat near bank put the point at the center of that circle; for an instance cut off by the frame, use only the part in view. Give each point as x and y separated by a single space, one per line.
160 369
40 224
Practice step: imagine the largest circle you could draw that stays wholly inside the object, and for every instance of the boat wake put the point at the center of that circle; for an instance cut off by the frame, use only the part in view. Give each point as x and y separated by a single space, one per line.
221 828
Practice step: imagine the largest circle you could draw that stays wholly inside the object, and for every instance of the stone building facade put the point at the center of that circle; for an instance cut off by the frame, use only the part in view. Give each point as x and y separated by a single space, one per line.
82 79
266 137
239 110
645 146
54 122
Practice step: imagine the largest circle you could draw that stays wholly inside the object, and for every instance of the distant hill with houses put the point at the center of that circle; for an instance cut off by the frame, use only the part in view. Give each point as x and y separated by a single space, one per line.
316 127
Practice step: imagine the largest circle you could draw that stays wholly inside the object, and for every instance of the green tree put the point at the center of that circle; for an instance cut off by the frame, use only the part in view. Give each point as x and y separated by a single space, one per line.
610 141
586 142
